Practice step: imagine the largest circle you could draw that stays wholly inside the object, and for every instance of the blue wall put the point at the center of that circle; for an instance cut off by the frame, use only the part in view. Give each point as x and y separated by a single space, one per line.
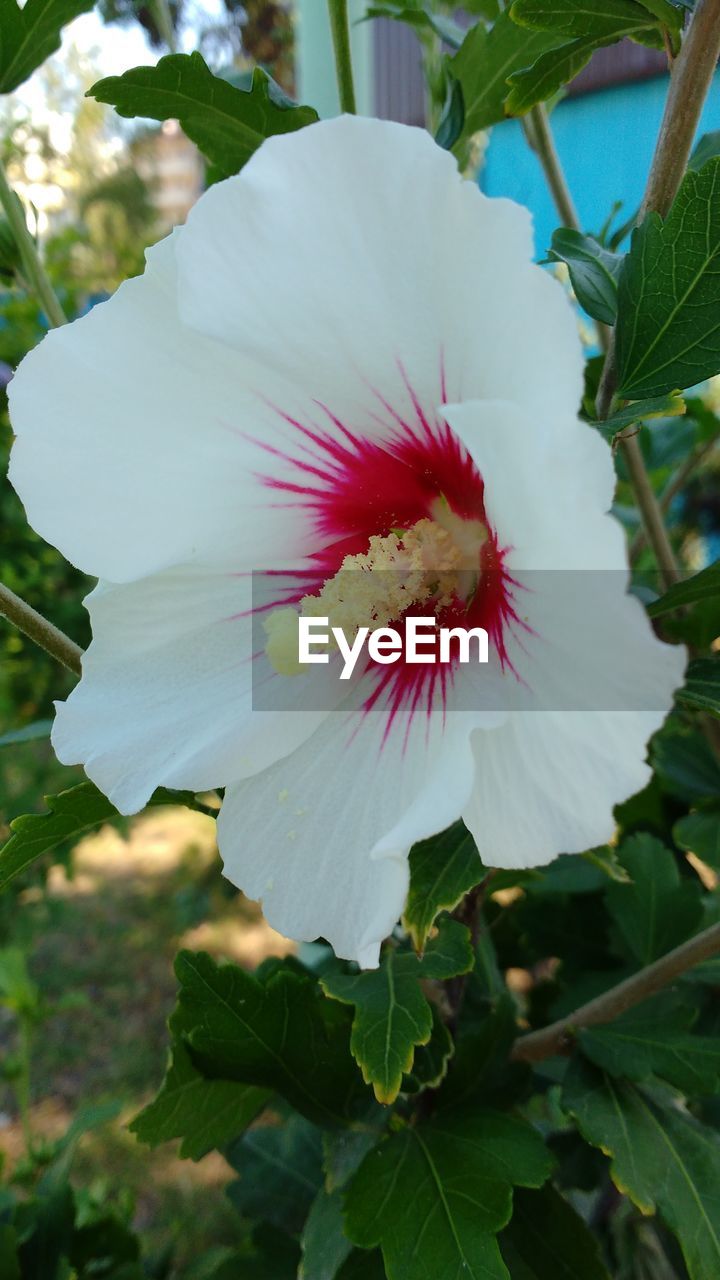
605 141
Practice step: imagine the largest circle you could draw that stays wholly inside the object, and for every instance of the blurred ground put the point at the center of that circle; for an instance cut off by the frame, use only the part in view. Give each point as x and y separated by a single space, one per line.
101 942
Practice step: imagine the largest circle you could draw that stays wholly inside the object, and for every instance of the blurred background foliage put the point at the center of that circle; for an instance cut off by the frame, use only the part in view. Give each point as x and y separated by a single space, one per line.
87 938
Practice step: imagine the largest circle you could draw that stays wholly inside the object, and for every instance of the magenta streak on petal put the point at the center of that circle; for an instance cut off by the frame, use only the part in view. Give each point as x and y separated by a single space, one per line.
354 487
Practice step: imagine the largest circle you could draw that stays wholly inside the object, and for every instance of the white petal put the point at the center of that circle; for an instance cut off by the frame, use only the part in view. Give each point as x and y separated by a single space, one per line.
549 483
166 695
586 645
598 680
354 246
132 449
546 782
321 838
140 441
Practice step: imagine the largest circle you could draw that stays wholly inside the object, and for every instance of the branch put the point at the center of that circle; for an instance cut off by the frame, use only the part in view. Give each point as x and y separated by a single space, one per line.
537 130
539 135
44 633
675 486
690 81
558 1037
649 508
692 75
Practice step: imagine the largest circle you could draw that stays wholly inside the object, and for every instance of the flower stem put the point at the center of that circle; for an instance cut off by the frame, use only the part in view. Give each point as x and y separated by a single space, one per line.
541 139
675 486
536 126
160 10
650 510
36 628
558 1037
32 265
692 75
340 28
690 81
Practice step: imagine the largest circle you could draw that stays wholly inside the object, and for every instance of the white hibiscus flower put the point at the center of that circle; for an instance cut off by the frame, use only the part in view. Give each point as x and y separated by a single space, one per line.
346 352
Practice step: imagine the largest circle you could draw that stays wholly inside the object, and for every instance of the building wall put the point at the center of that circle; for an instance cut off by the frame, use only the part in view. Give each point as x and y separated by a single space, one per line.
605 140
605 128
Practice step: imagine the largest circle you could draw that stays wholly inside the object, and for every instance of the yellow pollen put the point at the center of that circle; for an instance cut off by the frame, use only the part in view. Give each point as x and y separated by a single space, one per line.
430 564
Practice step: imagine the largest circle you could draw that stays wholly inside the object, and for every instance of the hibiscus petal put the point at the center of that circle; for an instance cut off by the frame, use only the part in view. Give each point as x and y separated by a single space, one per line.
546 782
322 837
599 680
354 258
130 451
166 696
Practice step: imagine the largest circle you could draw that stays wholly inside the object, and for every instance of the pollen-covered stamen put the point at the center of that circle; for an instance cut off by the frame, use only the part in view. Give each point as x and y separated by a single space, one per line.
434 563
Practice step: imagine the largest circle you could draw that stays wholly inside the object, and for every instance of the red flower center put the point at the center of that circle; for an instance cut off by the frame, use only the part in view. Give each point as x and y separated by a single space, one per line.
355 488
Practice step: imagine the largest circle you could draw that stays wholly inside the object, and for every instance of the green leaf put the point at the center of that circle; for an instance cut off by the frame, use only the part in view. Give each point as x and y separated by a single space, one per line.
423 19
452 120
29 733
699 833
702 686
661 1158
658 910
431 1060
276 1257
9 1261
685 764
362 1266
584 28
345 1149
72 812
605 859
105 1246
707 149
226 123
668 330
655 1039
547 1240
276 1031
17 989
701 586
86 1119
602 20
484 62
442 870
668 406
392 1014
325 1247
204 1113
28 35
594 271
280 1169
547 75
10 264
434 1196
698 627
44 1226
480 1069
487 9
